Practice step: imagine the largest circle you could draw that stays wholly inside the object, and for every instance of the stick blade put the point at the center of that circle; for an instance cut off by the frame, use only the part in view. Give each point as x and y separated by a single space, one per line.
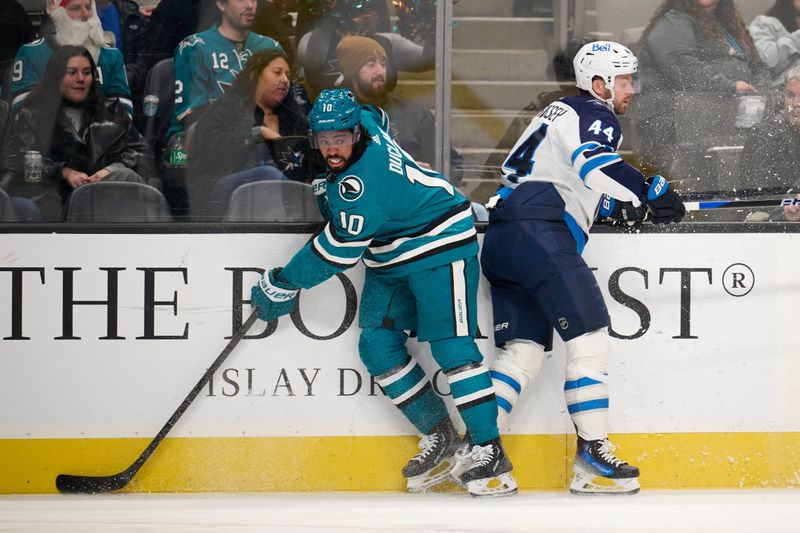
70 484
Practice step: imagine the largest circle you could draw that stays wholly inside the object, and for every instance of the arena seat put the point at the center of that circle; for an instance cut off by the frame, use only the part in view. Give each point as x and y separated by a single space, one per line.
161 84
7 211
273 201
117 201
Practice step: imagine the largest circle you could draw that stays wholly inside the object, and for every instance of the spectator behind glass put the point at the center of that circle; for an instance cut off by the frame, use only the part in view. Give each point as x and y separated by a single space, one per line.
771 156
171 21
316 50
363 64
15 30
82 137
310 12
208 62
125 21
74 22
777 38
696 56
257 131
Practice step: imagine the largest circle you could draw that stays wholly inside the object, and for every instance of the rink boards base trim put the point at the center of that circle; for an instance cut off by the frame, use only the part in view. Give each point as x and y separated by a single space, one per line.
286 464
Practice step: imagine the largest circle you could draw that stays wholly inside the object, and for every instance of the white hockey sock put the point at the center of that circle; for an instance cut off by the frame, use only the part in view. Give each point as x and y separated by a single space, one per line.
518 361
586 385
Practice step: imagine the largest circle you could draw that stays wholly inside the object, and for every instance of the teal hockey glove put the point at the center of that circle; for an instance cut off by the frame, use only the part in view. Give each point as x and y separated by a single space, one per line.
664 204
273 296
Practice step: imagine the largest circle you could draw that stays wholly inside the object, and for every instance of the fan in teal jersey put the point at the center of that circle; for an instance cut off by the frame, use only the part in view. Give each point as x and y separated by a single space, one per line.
414 232
206 63
74 22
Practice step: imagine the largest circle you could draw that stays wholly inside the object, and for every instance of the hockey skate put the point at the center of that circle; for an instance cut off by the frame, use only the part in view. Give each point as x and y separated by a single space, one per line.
598 471
463 461
489 471
433 463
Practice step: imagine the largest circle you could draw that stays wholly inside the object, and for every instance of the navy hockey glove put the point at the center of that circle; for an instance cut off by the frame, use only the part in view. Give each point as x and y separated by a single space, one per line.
622 212
664 204
273 296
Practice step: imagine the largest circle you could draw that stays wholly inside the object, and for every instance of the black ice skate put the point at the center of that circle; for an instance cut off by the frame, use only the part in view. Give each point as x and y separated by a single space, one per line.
433 463
598 471
463 461
489 474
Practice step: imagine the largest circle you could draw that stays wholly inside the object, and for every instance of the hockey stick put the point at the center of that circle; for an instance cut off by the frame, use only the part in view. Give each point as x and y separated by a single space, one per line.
718 204
94 484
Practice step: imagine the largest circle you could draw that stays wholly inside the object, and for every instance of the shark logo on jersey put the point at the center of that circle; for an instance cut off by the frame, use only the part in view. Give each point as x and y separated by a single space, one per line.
351 188
223 85
291 159
191 40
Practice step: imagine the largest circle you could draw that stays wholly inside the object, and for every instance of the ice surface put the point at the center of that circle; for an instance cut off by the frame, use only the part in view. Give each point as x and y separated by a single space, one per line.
662 511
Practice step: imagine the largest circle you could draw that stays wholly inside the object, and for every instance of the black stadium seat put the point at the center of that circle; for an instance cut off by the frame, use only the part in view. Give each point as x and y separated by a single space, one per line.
117 201
161 84
273 201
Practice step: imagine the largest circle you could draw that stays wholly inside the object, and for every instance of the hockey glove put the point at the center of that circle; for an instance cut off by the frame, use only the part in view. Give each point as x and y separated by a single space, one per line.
273 296
623 213
664 204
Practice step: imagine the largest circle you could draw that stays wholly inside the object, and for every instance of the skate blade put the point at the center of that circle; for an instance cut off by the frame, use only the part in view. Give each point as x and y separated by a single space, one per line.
586 484
432 477
461 465
493 487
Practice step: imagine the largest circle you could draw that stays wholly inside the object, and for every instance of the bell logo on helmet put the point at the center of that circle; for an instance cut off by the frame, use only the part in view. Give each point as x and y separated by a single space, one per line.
601 47
351 188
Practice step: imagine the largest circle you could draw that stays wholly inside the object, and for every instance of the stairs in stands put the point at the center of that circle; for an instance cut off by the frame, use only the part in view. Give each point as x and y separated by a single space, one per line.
501 64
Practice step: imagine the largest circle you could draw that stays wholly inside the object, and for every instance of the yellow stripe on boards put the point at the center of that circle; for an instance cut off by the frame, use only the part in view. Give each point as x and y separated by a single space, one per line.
541 462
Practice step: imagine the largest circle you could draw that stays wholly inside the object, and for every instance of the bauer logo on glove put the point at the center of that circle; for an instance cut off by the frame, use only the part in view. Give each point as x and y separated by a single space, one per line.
273 296
664 204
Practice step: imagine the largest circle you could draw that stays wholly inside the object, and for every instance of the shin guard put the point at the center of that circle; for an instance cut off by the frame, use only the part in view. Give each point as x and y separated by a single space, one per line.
586 385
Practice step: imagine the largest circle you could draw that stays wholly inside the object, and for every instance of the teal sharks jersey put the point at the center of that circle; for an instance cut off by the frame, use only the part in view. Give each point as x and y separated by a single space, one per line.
206 63
32 58
389 212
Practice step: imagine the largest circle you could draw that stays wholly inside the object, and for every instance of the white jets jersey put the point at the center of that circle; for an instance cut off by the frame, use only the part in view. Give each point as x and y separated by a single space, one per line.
573 143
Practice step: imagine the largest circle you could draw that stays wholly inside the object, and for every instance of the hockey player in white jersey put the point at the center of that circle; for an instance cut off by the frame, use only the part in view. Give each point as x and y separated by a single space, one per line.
561 167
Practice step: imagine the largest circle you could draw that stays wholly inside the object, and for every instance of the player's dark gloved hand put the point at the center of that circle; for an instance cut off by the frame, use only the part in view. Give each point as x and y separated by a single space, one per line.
664 204
624 213
273 296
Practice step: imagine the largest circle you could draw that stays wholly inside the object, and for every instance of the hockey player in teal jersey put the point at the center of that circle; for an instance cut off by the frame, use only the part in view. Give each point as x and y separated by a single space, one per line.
75 23
414 232
206 63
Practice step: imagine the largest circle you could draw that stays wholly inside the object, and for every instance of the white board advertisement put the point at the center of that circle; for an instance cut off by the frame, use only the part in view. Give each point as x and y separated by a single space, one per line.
104 335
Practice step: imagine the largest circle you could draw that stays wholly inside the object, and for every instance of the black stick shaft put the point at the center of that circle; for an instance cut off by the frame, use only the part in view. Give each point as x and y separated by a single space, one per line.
94 484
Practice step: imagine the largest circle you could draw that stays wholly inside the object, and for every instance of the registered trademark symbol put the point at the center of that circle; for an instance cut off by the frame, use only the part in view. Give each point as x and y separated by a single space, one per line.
738 280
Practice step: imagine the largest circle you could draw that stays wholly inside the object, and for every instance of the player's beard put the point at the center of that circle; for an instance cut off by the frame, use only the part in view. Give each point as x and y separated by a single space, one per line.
88 34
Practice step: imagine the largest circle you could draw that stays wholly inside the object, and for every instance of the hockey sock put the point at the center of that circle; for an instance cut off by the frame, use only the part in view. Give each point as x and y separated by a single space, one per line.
586 385
409 389
517 362
474 397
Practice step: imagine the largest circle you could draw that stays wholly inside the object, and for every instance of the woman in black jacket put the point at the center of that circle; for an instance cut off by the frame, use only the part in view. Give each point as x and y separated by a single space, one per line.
81 136
257 131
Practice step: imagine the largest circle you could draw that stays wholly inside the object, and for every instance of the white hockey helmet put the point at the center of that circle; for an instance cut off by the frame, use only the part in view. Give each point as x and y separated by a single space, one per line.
606 59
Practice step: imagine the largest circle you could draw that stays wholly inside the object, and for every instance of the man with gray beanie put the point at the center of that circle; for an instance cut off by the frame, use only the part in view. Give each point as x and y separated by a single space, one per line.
363 63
